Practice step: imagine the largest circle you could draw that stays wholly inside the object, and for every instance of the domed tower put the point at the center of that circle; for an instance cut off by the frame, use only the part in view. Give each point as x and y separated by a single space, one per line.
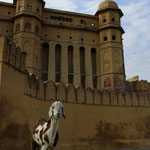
27 31
111 59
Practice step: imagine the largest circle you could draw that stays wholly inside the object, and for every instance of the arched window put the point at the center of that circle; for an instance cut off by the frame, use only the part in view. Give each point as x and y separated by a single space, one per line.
45 61
104 19
37 29
27 27
17 27
70 64
19 7
93 60
82 66
58 63
29 6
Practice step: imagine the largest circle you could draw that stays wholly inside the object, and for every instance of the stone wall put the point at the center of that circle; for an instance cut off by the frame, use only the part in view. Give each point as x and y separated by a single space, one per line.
94 119
49 90
138 86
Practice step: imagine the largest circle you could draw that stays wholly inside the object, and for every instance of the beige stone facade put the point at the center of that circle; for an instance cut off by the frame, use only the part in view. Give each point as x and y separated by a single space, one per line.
41 51
68 47
94 119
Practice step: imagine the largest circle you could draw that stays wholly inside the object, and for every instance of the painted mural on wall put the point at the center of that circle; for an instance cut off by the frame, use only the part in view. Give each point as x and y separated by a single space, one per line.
107 83
119 84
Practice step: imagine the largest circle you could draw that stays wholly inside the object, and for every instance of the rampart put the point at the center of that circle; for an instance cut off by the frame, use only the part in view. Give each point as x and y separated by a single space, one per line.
138 86
12 55
70 94
94 119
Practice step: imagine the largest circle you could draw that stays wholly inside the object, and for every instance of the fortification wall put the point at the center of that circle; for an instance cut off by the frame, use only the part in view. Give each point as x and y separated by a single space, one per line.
70 94
94 119
138 86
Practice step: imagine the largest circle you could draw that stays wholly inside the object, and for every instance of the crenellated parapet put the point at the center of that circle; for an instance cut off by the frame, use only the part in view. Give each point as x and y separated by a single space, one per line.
138 86
49 90
12 55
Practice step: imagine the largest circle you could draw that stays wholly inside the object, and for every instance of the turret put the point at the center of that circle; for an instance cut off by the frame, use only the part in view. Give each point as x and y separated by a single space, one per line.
111 60
27 31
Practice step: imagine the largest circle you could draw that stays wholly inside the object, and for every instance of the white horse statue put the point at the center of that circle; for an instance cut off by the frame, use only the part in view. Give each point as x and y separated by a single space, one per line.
45 133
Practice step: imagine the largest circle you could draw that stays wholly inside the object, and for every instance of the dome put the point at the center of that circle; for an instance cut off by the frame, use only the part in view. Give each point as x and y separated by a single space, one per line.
107 4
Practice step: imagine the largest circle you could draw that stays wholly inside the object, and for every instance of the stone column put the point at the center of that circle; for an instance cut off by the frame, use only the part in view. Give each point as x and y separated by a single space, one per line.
51 66
88 68
76 62
64 63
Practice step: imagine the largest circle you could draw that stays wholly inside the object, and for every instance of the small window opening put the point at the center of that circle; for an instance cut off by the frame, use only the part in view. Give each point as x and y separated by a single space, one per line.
7 31
93 40
105 38
104 20
113 19
58 36
70 37
81 21
29 7
70 20
38 10
82 39
18 27
113 37
28 27
37 29
20 7
9 13
45 34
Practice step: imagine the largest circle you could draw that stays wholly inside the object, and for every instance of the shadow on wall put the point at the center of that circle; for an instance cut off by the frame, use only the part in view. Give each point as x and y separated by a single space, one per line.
12 133
119 135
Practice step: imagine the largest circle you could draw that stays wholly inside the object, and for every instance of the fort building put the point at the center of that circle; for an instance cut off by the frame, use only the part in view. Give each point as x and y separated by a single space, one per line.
48 54
68 47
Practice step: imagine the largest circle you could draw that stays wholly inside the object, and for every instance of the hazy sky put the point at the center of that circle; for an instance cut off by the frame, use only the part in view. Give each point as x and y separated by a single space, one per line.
136 23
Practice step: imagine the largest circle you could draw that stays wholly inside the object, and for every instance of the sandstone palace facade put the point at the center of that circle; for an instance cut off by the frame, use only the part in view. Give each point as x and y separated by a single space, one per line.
48 54
68 47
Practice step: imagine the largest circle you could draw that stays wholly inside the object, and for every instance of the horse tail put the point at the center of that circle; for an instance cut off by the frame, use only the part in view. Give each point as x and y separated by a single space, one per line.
35 146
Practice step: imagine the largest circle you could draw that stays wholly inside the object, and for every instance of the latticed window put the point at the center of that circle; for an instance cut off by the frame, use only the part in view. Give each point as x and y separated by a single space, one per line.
18 27
36 29
28 27
29 6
